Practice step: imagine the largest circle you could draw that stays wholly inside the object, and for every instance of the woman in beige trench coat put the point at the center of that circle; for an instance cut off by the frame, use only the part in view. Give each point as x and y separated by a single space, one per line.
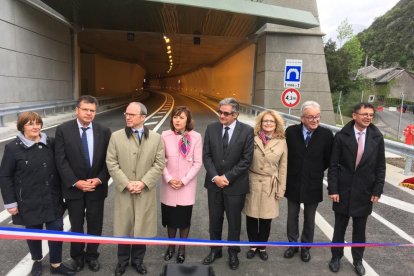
267 179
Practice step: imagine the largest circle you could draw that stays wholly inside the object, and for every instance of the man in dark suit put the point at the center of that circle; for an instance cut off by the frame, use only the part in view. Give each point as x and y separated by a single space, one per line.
309 152
227 154
356 179
80 159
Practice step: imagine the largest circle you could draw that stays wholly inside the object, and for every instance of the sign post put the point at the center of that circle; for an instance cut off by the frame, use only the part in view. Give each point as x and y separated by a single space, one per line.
290 98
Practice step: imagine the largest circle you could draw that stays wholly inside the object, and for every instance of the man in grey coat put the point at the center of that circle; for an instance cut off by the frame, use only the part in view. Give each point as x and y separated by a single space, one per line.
356 179
135 160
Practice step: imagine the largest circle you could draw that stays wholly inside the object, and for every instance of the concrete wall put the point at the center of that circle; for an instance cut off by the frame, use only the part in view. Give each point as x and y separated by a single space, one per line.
231 77
403 83
277 43
35 56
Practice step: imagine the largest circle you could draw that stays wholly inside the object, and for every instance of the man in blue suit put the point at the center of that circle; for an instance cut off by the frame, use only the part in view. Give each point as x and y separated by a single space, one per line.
227 154
80 153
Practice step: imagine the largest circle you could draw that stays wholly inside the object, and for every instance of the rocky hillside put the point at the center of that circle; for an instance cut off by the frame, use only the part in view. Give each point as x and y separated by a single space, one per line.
389 41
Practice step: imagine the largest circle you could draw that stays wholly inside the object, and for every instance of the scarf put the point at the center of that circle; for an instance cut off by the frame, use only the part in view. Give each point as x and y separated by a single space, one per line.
265 139
184 144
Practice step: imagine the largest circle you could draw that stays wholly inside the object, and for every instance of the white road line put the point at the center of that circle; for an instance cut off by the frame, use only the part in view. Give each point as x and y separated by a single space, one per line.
396 203
327 229
156 117
151 123
25 265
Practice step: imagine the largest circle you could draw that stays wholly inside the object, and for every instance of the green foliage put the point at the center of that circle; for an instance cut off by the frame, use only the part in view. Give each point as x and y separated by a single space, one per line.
389 41
355 53
345 32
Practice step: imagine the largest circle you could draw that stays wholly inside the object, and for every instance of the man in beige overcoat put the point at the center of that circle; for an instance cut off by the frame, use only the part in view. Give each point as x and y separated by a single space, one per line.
135 160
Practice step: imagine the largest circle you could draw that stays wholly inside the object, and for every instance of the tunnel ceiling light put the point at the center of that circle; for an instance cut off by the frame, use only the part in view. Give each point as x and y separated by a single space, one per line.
168 47
169 52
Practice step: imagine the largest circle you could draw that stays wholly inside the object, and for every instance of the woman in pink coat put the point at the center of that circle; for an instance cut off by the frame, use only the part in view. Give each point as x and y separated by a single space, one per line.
183 156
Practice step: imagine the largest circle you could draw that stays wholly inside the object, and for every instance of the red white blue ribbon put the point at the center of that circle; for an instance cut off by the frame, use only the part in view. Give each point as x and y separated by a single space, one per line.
9 233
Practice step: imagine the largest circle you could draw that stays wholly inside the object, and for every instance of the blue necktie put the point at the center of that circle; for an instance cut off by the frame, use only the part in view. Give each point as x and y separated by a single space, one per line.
85 147
308 137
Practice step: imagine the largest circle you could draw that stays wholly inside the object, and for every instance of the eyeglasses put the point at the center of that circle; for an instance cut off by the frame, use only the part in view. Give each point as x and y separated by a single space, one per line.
87 110
225 113
366 115
268 122
313 118
132 114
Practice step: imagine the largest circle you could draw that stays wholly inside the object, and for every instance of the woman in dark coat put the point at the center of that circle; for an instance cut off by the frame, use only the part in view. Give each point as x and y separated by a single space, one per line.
30 187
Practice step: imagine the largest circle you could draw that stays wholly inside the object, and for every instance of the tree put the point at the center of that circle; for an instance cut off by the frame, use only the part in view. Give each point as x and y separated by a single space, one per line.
345 32
354 50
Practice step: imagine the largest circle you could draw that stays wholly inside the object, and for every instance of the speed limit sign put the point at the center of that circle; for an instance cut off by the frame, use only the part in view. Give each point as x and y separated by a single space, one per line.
290 97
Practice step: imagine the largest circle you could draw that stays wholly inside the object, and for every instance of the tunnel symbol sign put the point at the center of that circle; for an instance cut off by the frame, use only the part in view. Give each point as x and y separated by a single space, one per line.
293 73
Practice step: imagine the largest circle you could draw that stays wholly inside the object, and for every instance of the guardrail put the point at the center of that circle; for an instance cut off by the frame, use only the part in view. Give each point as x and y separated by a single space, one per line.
397 148
62 106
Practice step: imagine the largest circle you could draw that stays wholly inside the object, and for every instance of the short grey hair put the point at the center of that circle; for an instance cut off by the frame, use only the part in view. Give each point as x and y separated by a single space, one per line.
235 106
142 107
309 104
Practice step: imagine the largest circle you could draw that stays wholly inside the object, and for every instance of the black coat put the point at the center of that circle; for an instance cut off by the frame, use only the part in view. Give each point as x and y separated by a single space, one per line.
70 161
234 163
29 177
356 186
306 165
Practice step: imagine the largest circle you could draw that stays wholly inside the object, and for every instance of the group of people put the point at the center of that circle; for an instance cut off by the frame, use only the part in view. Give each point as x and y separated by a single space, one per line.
248 171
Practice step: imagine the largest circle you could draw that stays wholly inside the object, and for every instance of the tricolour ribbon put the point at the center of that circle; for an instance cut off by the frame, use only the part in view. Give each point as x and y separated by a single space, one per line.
10 233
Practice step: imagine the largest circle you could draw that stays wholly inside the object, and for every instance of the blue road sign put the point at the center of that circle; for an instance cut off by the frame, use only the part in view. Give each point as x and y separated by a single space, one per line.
293 73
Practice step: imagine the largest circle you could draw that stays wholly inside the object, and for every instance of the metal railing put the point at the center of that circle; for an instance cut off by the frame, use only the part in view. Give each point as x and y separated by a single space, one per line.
397 148
51 108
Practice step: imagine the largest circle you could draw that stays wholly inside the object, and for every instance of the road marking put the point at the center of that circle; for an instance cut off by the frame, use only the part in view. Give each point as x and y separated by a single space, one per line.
151 123
327 229
396 203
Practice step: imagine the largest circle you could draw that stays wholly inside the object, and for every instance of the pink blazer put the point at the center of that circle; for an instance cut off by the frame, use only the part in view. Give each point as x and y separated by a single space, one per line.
182 168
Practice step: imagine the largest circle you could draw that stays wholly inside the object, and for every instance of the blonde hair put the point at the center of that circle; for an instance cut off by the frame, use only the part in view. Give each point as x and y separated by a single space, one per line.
280 123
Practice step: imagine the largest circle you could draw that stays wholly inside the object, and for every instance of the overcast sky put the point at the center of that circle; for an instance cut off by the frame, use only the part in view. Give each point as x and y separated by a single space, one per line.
358 12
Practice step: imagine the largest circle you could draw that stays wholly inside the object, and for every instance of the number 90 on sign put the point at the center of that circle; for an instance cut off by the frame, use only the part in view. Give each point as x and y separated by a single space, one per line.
290 97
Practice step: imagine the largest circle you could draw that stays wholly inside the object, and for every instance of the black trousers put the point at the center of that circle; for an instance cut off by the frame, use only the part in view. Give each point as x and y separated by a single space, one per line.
92 211
308 222
55 247
218 203
258 230
134 252
358 235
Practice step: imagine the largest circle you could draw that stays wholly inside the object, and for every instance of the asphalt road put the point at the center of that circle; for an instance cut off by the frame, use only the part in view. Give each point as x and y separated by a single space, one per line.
389 225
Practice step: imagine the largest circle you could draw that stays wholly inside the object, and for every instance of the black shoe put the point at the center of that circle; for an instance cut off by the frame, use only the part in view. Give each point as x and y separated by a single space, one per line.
78 263
180 257
212 256
359 268
290 252
263 255
233 261
62 270
93 264
37 268
334 264
120 269
169 253
140 268
305 255
251 253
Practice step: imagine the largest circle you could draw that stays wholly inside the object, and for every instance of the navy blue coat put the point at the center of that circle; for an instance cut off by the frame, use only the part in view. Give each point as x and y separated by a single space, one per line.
356 186
29 177
306 165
